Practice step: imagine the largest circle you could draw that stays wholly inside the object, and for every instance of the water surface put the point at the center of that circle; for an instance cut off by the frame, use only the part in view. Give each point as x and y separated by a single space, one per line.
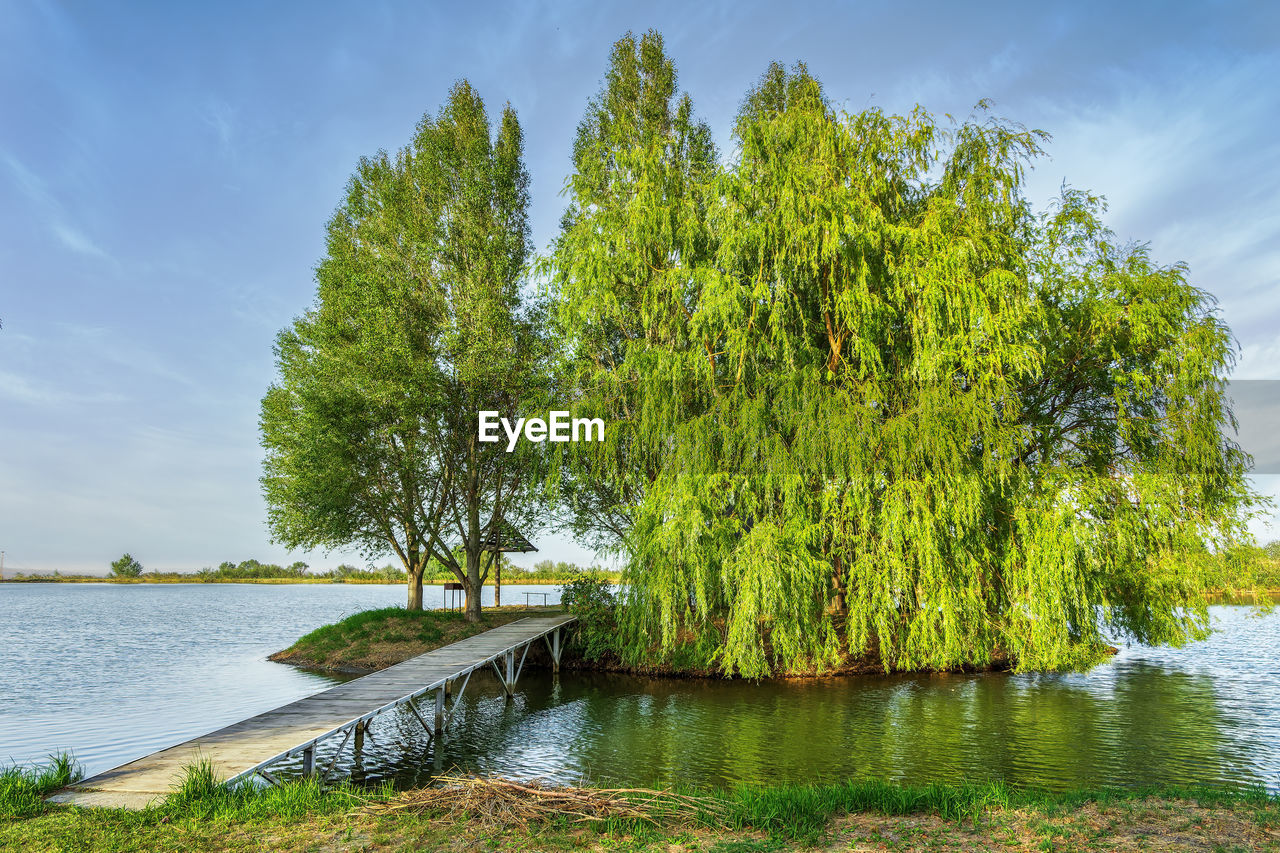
113 672
1207 714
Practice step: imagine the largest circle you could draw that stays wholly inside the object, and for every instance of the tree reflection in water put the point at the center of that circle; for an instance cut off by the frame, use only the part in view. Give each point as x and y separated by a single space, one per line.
1131 722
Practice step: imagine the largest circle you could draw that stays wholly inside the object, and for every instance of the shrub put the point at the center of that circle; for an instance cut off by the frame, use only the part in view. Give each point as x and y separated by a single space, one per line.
126 567
590 598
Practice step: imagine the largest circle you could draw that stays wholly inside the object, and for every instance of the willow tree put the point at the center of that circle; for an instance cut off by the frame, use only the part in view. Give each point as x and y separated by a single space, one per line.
419 323
894 412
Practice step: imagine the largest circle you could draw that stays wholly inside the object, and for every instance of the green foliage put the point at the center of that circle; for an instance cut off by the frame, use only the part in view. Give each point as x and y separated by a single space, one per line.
1245 569
126 567
419 323
634 227
22 789
546 571
863 399
254 570
591 599
344 573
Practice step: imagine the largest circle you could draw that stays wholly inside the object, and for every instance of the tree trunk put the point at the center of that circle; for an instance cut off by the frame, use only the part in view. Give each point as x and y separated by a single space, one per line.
473 585
838 603
497 580
471 544
415 588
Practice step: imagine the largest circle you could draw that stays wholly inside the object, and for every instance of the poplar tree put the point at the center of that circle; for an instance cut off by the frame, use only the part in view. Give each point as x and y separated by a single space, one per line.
634 230
879 406
419 323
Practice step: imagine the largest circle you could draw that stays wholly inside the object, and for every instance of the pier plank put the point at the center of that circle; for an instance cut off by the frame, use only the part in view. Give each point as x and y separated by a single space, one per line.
242 746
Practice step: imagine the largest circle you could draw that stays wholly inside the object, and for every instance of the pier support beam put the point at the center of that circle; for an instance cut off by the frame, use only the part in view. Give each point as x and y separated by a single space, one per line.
553 645
272 734
357 752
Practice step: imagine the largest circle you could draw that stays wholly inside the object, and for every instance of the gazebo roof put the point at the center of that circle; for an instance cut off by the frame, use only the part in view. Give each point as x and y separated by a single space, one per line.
506 538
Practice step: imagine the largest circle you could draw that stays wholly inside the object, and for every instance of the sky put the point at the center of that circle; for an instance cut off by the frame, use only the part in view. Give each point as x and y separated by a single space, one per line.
166 170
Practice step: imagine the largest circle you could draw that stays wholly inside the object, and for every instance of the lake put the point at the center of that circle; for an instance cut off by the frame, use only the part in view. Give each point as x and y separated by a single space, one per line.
111 672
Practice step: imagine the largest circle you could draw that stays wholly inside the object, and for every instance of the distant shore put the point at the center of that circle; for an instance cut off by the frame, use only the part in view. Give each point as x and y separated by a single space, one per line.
1222 597
193 579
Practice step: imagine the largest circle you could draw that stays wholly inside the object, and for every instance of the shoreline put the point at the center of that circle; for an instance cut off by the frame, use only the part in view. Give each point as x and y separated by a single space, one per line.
471 813
1216 597
372 640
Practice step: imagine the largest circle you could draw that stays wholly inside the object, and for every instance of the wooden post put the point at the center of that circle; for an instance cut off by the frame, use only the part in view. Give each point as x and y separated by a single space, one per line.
357 753
439 710
309 760
509 683
555 651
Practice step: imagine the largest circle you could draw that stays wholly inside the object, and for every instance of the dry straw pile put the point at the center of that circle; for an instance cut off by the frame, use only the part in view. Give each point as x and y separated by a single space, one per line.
503 802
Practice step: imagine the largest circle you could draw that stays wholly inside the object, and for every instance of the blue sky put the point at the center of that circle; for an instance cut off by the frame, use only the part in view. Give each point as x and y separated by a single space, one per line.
166 170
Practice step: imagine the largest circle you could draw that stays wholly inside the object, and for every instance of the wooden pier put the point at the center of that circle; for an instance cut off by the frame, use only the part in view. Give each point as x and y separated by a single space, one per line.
251 746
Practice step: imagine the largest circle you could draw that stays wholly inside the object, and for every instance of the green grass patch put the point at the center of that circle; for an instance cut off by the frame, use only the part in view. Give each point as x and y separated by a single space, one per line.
388 624
23 788
374 639
803 811
199 796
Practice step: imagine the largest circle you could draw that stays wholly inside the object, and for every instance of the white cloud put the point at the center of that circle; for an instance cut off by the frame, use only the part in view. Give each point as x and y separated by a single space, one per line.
51 210
19 390
76 241
1259 359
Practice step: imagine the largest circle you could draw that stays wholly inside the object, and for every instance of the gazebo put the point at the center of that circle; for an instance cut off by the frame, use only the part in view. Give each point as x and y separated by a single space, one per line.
504 539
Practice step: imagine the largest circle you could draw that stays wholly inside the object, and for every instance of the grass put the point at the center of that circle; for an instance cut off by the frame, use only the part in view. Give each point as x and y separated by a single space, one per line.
803 811
375 639
203 814
199 796
22 788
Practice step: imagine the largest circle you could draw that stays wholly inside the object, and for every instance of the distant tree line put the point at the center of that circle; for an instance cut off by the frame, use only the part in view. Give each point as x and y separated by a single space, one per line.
1249 567
127 567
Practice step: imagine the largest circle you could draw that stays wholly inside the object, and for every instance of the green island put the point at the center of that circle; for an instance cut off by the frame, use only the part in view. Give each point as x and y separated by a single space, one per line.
375 639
